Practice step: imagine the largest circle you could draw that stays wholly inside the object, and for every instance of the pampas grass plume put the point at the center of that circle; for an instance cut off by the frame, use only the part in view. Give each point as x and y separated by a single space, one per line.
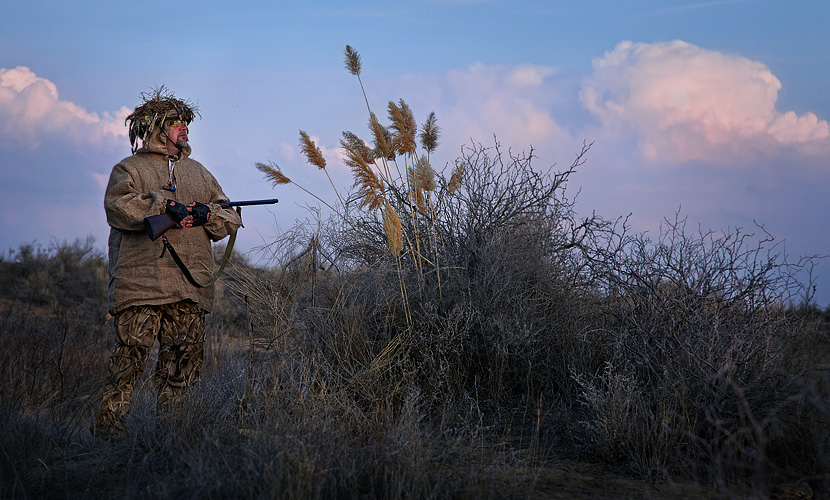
311 151
380 135
424 175
358 158
355 144
394 231
352 59
273 174
430 131
404 125
455 180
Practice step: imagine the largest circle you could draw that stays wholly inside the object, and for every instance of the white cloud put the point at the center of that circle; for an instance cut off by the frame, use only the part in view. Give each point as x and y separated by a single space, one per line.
480 101
528 75
332 154
512 103
790 128
31 110
685 103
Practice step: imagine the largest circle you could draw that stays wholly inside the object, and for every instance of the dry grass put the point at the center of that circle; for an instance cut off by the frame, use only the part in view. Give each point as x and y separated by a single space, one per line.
669 356
474 342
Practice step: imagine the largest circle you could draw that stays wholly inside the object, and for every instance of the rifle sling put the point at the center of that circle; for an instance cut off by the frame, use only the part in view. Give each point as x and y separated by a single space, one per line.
186 271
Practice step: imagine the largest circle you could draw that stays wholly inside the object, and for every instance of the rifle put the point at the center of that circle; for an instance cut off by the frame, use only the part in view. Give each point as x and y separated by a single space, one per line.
157 225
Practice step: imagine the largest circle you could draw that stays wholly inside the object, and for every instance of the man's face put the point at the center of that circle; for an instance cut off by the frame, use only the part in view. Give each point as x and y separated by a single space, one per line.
177 132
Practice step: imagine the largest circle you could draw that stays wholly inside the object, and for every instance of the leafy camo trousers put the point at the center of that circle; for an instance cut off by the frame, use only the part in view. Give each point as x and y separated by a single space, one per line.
180 329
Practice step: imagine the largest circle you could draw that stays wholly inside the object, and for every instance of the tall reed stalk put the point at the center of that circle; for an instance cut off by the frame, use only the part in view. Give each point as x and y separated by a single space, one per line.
390 177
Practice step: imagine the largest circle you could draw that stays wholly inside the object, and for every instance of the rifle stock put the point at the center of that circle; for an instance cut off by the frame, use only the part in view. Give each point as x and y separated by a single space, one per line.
157 225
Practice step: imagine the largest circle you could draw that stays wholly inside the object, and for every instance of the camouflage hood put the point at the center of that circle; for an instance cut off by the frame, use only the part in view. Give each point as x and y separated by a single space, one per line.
148 120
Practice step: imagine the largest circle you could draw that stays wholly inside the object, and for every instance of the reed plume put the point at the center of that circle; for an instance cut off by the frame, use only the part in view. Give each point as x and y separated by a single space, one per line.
430 131
420 201
311 151
455 180
272 173
394 231
405 127
358 158
416 180
424 175
353 65
382 139
315 157
358 146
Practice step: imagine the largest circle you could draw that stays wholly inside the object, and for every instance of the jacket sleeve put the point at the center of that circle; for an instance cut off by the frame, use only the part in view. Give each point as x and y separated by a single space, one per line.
125 206
223 221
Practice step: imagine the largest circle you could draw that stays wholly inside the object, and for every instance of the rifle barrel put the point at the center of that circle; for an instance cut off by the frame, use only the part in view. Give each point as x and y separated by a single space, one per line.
226 204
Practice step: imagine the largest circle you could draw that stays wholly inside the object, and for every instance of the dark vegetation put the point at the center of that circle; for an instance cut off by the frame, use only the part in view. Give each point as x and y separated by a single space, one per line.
440 336
524 337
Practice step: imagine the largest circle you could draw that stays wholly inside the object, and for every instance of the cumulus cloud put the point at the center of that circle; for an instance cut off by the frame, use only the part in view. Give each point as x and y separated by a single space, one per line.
480 101
685 103
528 76
513 103
31 110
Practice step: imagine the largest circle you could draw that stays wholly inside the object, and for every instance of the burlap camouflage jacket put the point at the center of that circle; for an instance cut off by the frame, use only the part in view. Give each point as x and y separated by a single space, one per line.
138 272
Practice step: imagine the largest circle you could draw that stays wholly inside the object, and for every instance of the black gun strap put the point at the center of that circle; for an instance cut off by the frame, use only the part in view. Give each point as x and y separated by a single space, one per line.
186 271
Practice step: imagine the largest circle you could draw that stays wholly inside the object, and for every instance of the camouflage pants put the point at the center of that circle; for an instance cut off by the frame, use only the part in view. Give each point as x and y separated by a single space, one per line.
180 329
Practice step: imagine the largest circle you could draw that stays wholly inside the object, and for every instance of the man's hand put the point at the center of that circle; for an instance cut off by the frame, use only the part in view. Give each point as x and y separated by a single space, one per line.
199 212
178 211
191 215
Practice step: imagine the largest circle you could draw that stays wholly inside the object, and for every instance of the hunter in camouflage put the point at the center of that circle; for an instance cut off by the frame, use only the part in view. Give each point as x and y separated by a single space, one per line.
149 296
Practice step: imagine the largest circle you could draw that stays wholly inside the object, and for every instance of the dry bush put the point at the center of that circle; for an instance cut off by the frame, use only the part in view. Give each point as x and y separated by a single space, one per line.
700 335
52 339
486 290
480 289
51 325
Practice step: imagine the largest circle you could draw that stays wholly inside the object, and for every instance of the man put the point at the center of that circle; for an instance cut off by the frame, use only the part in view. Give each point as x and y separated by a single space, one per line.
149 295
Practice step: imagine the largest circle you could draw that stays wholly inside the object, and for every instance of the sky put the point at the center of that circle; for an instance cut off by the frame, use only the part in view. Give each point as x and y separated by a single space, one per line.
715 110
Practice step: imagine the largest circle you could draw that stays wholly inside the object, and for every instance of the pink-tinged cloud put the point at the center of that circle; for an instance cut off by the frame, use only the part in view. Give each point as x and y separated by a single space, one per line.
685 103
504 101
475 103
512 103
31 111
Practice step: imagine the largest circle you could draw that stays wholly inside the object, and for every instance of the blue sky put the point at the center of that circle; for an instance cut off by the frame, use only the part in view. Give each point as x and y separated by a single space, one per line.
718 109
